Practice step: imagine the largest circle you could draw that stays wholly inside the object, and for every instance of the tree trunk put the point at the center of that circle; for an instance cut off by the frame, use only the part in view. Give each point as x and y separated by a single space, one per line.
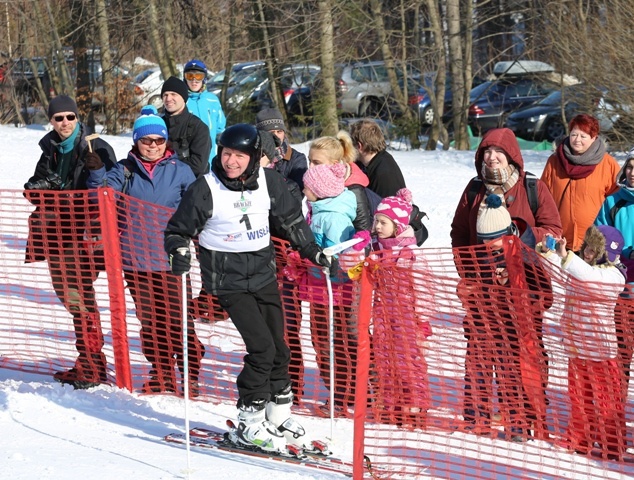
437 96
457 65
329 120
409 123
109 91
271 64
155 35
79 21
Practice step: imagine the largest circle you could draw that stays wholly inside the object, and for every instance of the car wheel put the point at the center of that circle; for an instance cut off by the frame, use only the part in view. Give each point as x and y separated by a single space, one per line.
156 102
373 109
427 118
554 130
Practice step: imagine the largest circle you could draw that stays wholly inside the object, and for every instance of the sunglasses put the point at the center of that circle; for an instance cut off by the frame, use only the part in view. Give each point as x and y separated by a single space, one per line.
195 76
60 118
149 141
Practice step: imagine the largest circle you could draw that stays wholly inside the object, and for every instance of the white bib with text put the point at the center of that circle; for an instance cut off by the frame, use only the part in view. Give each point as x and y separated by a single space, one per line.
240 220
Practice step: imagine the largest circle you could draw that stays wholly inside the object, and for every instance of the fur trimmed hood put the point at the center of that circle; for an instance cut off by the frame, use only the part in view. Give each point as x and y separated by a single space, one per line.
595 240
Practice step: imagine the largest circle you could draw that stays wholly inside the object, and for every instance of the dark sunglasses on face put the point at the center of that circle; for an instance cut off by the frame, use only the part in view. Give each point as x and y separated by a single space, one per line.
194 76
149 141
60 118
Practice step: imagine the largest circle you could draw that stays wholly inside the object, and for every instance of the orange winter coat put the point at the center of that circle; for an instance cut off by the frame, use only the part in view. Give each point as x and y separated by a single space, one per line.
579 200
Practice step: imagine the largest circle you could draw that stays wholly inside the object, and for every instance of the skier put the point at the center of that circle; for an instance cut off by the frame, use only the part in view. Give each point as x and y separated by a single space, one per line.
237 261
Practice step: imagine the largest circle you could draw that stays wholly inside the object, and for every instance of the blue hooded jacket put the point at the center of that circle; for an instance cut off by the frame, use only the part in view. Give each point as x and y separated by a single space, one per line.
141 224
206 106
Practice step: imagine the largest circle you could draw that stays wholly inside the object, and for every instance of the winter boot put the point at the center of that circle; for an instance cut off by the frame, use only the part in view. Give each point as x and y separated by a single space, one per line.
278 412
160 381
255 430
88 372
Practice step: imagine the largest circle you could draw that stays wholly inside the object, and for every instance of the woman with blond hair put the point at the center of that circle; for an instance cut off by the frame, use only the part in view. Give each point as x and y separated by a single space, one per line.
340 149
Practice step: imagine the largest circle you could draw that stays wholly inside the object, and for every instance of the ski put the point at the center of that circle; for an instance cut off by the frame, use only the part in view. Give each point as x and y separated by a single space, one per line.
316 456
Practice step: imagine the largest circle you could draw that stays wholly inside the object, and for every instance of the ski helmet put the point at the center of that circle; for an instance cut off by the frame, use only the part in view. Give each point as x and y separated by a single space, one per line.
242 137
195 66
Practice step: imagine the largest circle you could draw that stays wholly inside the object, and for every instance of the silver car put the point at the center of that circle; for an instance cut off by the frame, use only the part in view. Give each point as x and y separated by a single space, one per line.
365 91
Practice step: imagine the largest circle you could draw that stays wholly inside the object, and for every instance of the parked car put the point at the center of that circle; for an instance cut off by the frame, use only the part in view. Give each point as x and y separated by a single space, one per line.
543 120
365 90
148 84
491 102
23 76
420 102
238 72
253 93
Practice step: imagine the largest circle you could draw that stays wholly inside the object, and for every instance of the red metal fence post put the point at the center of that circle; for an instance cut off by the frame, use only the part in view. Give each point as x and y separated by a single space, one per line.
362 373
116 289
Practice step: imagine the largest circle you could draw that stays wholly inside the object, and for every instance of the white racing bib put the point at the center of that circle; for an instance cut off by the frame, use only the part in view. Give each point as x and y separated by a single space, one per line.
240 220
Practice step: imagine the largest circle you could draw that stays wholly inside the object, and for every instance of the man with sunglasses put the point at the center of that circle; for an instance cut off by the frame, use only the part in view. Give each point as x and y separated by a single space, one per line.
188 134
57 229
205 105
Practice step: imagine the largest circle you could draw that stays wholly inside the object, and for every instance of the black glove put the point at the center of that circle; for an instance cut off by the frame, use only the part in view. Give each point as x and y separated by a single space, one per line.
180 260
93 161
315 254
270 142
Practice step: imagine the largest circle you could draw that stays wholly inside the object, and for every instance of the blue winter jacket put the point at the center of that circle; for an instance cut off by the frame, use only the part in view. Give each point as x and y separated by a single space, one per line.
623 221
624 218
141 225
206 106
331 219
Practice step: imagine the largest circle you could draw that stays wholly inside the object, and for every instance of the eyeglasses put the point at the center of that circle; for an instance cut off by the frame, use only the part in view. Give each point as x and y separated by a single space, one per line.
60 118
195 76
149 141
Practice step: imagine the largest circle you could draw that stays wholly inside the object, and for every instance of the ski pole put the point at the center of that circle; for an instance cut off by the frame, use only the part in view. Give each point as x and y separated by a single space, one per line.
331 341
185 373
330 252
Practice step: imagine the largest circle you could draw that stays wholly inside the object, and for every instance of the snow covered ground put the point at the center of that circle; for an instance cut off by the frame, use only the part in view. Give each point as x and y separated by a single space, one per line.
53 432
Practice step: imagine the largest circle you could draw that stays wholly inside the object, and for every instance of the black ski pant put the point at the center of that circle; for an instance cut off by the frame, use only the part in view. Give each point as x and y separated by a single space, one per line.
259 318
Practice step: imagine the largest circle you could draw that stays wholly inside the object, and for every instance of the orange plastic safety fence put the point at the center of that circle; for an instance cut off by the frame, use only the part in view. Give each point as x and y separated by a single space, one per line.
490 362
483 362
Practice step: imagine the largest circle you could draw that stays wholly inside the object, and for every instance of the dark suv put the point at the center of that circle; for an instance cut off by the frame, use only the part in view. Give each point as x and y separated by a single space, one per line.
517 84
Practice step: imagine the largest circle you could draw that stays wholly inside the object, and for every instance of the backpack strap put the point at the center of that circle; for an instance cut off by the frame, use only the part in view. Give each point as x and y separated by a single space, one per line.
530 183
614 210
474 187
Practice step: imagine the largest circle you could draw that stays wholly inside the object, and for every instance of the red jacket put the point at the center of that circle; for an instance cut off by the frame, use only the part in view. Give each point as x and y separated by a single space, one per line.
546 219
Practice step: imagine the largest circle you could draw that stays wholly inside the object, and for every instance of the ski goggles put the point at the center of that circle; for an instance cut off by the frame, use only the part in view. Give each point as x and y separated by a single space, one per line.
200 76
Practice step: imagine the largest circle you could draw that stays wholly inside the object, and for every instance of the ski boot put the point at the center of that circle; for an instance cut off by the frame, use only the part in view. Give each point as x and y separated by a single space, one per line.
278 412
255 430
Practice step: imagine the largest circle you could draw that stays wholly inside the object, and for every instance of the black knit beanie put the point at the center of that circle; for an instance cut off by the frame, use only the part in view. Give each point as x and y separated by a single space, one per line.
176 85
62 103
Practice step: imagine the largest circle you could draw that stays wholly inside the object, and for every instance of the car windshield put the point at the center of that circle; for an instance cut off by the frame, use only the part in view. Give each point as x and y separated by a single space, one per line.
552 99
144 74
218 77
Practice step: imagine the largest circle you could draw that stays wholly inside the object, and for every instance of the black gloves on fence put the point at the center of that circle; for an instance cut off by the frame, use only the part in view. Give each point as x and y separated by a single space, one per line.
93 161
180 261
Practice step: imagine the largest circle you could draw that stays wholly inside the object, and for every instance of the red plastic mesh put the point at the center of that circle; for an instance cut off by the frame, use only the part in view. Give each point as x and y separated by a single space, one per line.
399 330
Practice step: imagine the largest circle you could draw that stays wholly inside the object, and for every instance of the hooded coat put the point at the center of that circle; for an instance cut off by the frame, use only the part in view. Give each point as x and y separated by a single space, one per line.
621 218
545 221
578 199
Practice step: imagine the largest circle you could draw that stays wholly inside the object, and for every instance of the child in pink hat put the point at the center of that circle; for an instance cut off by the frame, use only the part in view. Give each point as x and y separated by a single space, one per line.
400 316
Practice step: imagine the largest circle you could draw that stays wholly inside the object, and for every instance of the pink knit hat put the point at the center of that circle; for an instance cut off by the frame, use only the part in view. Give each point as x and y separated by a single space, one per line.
397 208
326 180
